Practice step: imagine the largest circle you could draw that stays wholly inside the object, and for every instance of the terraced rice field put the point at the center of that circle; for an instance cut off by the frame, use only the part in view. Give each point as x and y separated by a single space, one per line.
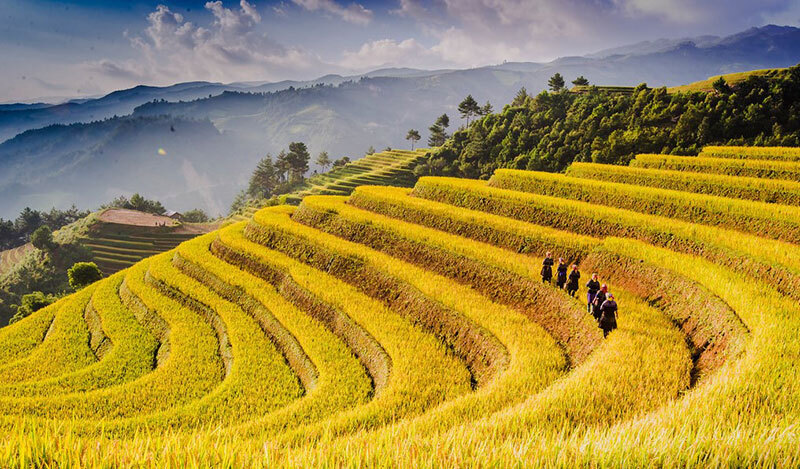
9 257
122 238
410 327
391 167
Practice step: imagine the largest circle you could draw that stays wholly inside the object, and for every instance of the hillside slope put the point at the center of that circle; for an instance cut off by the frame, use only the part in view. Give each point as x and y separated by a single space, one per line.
344 116
411 327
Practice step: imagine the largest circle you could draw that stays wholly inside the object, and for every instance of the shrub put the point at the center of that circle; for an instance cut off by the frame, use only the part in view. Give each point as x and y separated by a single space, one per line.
30 303
82 274
42 238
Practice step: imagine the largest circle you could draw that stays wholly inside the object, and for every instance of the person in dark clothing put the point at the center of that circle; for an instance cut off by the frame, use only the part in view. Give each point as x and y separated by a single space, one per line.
561 273
593 287
599 299
547 268
608 315
574 277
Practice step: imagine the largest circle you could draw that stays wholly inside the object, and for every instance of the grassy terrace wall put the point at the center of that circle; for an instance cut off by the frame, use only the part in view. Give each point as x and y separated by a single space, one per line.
410 327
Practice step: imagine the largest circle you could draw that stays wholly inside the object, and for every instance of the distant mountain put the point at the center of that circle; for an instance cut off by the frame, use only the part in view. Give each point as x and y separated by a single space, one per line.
87 164
222 129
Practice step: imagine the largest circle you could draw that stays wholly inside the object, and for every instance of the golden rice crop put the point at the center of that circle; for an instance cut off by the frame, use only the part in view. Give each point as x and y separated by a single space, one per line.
339 382
131 355
65 347
788 170
410 329
20 338
780 222
772 261
760 190
756 153
410 390
494 272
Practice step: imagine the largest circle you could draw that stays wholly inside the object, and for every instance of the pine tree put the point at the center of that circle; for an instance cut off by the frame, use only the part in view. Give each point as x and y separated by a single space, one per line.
282 165
580 81
520 98
556 83
263 180
323 160
438 134
413 135
298 158
468 108
721 86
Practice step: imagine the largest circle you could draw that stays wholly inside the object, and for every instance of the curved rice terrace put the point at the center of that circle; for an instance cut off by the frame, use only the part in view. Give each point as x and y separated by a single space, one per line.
410 327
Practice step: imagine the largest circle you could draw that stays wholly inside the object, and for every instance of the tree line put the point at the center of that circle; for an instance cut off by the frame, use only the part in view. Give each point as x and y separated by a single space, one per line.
549 131
19 231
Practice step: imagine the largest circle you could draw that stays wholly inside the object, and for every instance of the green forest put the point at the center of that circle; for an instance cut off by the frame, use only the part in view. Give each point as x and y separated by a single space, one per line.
549 131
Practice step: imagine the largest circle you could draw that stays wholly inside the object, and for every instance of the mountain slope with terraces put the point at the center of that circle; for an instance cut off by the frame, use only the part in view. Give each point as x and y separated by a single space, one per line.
410 327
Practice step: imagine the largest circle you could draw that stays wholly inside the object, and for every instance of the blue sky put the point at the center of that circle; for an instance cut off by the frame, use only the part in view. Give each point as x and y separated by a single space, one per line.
56 49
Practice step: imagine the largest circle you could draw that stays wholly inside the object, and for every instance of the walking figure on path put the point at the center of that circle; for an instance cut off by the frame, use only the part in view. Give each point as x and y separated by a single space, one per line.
574 277
593 286
608 315
561 273
599 299
547 268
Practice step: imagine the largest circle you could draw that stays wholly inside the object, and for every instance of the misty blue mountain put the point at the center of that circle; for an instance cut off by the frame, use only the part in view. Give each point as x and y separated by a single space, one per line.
211 134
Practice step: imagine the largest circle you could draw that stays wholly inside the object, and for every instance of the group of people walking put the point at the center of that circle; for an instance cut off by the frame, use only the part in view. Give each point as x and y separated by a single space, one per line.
600 303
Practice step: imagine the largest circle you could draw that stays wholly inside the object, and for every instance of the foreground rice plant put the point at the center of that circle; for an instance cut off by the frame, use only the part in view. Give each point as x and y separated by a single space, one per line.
411 328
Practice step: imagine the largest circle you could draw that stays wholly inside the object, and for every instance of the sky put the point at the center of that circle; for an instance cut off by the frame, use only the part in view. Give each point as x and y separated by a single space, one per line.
56 49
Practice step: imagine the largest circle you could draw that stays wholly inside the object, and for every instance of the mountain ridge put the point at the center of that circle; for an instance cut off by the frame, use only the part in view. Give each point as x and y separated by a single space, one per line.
338 114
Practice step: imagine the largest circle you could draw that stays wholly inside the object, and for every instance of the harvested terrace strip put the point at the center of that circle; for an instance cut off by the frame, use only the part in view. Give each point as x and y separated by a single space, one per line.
191 370
131 353
506 279
333 378
780 222
411 389
10 257
394 283
788 170
755 153
749 188
114 252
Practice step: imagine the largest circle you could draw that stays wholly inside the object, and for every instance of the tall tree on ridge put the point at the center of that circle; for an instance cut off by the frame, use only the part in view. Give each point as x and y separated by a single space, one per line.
323 160
438 134
264 179
580 81
298 158
413 135
469 108
556 83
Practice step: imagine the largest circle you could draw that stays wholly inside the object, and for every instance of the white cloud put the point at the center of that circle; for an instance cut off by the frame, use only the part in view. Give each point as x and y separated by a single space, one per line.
229 48
354 13
412 9
390 53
